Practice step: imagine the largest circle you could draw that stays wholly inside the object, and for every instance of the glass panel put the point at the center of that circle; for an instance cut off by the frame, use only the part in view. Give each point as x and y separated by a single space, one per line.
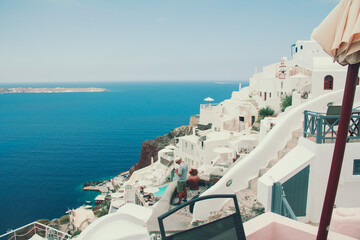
356 170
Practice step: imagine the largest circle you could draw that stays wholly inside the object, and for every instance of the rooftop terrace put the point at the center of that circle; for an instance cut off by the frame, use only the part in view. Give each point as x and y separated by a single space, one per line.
322 127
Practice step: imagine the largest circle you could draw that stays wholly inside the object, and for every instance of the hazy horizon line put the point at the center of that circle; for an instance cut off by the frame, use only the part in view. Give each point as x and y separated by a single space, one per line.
129 81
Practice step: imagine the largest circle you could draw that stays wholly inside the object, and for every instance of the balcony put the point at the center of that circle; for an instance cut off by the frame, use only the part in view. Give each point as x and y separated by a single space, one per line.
35 230
323 128
208 106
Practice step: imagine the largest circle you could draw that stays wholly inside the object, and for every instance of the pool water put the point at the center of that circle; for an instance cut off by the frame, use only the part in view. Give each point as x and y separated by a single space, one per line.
161 191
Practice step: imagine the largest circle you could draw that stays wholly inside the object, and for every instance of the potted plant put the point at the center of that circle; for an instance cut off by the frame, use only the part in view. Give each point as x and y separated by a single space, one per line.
193 179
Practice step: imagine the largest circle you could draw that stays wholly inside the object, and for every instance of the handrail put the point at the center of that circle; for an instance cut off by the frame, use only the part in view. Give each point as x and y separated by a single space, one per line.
280 204
140 196
208 106
286 208
59 234
319 125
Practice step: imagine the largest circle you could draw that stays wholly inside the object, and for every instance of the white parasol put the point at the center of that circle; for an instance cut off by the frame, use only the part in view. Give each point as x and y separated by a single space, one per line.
208 99
339 35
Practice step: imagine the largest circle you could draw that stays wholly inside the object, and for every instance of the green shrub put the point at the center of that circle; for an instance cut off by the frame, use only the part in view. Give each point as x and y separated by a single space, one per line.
267 111
76 233
44 221
286 101
100 213
64 219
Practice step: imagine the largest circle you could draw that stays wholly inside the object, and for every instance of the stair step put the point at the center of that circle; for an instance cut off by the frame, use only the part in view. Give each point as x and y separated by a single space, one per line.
253 184
289 146
292 143
297 133
283 152
262 171
272 162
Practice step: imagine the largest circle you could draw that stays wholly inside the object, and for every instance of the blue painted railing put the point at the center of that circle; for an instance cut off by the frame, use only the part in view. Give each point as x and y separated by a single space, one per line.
286 210
323 127
280 204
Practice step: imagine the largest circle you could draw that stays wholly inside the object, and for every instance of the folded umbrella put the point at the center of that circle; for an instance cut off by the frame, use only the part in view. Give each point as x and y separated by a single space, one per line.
339 36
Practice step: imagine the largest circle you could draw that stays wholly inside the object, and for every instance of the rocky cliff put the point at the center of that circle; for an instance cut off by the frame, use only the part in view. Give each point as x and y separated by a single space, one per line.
150 148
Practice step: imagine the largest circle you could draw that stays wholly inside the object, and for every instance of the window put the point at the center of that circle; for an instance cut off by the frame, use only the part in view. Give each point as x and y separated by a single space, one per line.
260 94
301 47
296 49
186 144
242 119
356 170
328 82
269 94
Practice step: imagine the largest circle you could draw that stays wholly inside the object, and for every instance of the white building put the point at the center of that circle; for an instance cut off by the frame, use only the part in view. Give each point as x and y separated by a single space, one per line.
235 114
211 151
81 218
310 72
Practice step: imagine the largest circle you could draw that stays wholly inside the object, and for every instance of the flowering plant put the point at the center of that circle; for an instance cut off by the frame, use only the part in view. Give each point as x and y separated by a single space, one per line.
193 171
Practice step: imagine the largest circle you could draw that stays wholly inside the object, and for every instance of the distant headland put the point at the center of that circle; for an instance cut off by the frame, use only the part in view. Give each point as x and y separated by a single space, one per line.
51 90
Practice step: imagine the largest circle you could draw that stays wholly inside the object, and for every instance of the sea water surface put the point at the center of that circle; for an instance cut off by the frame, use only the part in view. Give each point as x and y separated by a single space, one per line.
51 143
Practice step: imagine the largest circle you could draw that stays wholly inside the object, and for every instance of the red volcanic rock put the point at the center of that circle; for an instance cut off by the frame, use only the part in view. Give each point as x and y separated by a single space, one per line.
150 148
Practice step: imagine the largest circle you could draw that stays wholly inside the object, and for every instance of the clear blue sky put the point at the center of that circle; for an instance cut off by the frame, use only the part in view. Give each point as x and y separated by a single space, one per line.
163 40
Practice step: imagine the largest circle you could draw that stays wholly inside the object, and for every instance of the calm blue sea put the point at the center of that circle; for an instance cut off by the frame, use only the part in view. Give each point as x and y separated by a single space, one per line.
51 143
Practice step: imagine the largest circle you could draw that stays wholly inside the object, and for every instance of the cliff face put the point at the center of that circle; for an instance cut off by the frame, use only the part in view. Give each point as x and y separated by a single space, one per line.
150 148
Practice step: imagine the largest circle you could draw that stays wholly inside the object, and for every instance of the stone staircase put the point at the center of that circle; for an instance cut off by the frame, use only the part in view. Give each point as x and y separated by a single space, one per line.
288 147
247 198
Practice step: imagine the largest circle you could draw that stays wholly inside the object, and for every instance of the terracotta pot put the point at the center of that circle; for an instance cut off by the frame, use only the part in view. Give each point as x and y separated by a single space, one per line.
193 181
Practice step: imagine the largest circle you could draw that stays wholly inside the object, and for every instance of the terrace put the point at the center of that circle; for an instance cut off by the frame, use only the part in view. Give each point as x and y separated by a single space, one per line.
322 127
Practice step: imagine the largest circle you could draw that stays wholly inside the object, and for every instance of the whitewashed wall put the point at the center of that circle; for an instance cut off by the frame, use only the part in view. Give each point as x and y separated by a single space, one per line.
248 167
348 194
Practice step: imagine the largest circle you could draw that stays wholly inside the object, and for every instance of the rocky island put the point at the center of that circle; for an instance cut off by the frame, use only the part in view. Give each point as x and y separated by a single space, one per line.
51 90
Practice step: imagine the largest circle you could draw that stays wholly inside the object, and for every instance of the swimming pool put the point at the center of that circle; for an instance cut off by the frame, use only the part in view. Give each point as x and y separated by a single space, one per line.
161 191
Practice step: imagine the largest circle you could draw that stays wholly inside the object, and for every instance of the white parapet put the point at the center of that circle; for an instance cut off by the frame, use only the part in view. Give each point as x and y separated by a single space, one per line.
269 226
129 222
237 178
287 167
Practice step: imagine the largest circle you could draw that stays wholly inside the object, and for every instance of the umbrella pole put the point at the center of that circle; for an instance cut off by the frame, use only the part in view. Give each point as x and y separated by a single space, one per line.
338 155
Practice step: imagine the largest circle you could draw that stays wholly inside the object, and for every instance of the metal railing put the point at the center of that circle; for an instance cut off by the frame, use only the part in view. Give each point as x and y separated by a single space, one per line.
280 204
165 161
27 231
323 127
286 209
208 106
